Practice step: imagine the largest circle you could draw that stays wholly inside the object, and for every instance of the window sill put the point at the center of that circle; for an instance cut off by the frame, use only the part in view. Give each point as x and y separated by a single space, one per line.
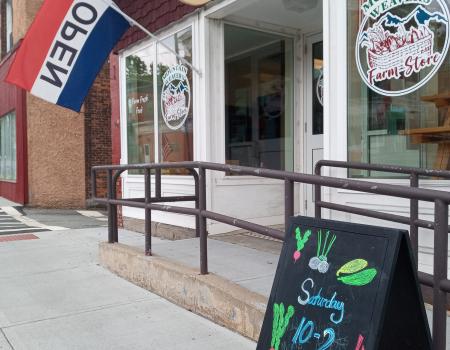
8 181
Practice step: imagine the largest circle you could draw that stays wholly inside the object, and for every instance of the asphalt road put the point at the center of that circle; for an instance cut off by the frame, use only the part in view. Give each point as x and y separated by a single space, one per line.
69 219
15 219
10 223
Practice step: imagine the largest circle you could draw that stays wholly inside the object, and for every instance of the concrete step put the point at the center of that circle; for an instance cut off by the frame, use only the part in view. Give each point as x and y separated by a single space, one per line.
235 293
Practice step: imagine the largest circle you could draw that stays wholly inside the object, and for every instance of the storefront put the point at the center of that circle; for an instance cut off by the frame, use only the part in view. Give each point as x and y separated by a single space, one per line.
13 139
282 84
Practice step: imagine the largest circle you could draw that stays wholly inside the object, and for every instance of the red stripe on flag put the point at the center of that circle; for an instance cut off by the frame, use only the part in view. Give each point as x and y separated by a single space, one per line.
34 48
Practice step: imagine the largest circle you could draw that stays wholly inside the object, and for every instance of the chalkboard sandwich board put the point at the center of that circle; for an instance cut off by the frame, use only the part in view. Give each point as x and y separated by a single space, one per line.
345 286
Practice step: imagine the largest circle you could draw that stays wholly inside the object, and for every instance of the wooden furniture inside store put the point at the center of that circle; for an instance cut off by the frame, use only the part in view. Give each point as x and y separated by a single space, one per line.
436 135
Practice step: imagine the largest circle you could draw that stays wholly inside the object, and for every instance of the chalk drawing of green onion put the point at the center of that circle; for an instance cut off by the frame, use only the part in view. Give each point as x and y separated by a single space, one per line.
301 241
280 324
320 261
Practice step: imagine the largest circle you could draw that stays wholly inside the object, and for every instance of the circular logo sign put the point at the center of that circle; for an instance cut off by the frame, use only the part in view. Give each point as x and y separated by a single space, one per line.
319 88
405 41
175 96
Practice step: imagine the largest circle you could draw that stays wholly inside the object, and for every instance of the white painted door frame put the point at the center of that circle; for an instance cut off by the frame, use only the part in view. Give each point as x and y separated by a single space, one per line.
215 93
313 143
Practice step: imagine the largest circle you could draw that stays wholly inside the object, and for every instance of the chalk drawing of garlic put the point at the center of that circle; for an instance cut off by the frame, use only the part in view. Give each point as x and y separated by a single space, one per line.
320 261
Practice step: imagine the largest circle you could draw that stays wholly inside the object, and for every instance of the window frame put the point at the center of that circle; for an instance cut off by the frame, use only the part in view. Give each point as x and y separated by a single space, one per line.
11 113
218 60
9 17
262 52
152 44
349 47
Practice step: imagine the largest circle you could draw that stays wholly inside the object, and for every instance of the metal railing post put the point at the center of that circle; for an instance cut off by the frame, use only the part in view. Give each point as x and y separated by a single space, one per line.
158 183
197 202
202 222
317 194
110 207
148 213
414 216
440 274
115 228
288 203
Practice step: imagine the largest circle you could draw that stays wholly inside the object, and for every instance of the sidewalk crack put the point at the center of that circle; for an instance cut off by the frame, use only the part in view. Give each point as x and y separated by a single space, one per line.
6 338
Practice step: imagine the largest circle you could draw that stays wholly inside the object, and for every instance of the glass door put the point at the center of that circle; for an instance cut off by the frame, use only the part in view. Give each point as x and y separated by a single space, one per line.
314 110
259 99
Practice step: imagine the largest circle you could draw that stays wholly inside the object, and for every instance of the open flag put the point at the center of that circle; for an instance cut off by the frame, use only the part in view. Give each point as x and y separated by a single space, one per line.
65 49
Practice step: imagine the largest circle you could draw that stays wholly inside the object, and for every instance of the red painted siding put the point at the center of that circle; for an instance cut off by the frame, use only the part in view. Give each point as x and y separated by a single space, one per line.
153 15
14 99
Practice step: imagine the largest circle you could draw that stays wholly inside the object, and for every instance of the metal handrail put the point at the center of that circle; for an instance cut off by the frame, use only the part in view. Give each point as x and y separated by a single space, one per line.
438 281
198 170
414 175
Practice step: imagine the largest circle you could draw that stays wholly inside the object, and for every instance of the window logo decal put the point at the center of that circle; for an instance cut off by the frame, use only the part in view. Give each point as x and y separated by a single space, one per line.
175 96
403 40
319 88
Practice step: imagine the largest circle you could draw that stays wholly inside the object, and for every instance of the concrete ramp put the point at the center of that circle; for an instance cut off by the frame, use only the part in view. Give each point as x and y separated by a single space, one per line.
234 294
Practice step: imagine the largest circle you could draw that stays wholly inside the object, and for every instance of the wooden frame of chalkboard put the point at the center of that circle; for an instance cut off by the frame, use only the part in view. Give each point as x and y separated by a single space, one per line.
345 286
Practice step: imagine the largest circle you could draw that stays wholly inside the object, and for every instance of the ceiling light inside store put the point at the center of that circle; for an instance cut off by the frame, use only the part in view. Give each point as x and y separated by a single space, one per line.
194 2
300 5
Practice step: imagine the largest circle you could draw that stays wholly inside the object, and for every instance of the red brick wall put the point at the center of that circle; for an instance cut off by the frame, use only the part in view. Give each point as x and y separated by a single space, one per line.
152 14
97 114
13 99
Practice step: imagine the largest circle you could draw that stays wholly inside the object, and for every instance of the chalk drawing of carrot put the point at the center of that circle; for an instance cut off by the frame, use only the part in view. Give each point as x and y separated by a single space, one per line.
280 324
360 344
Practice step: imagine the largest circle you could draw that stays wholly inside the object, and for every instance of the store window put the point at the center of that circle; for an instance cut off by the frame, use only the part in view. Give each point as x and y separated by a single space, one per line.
140 107
175 120
8 162
317 86
398 84
9 25
259 99
159 102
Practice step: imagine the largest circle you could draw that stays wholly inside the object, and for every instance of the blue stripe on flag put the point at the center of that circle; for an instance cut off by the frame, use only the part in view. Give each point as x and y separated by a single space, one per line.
107 32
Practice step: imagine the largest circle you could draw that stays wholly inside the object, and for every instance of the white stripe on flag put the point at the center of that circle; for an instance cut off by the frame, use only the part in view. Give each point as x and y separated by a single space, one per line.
63 53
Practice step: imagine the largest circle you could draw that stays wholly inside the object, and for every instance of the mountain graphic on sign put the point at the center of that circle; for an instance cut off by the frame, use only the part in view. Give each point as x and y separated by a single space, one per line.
378 34
420 14
177 89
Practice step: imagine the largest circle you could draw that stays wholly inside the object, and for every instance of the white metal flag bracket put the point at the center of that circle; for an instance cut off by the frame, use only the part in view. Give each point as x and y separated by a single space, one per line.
153 36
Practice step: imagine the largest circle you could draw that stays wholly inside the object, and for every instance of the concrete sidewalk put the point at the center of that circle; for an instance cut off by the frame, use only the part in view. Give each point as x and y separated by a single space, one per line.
7 203
55 296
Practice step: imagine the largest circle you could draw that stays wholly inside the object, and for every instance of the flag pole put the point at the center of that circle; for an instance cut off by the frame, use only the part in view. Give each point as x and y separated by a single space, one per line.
150 34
